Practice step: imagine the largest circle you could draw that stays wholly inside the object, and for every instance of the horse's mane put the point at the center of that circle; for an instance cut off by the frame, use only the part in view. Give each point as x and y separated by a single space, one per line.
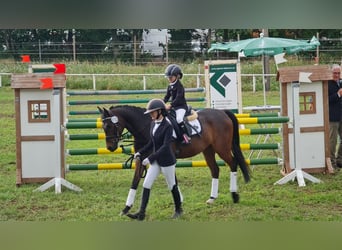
136 122
129 107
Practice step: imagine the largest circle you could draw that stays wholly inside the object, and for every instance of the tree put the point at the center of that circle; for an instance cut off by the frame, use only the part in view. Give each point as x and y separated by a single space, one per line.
180 44
123 44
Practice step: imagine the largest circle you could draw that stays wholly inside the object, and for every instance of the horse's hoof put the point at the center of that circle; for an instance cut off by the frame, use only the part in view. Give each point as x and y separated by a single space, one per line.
178 213
210 200
236 197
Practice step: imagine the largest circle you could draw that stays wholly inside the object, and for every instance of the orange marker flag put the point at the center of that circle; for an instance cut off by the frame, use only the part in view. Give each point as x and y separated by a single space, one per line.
46 83
25 59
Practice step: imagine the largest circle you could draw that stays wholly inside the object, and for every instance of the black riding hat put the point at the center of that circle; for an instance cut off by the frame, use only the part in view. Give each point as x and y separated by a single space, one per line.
173 70
154 104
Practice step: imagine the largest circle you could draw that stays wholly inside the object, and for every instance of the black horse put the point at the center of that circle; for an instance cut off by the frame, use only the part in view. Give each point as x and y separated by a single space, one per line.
220 134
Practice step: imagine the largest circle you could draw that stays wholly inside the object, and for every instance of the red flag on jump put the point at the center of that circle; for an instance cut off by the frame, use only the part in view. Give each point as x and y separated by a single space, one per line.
60 68
46 83
25 59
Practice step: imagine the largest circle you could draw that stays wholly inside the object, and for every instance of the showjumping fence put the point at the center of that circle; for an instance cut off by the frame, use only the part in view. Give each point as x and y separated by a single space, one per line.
265 122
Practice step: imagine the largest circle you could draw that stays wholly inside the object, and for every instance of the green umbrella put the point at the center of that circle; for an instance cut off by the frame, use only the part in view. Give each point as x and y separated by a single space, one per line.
266 46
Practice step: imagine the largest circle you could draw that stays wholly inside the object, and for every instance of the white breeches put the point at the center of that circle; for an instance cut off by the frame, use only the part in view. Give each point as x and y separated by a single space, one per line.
153 172
180 115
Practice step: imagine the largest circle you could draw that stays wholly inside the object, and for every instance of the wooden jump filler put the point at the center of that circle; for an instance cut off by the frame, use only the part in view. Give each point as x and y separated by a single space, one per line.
304 99
39 116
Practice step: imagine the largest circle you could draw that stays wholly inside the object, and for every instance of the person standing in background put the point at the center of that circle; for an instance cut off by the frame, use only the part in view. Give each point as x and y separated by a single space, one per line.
335 116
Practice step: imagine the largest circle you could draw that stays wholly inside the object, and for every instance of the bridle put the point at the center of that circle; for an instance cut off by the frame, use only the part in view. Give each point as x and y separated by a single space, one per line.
118 137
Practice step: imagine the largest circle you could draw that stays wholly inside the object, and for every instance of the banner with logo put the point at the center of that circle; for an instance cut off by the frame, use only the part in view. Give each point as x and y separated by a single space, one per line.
223 85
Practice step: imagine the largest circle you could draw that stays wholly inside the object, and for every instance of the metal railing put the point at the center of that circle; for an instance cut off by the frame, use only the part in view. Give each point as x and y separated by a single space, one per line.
144 76
198 77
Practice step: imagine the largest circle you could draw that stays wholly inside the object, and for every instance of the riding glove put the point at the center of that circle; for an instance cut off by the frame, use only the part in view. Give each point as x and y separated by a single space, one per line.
137 155
145 162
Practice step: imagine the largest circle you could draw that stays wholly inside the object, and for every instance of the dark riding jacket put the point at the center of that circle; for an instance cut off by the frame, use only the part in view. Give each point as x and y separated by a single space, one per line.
177 93
160 143
335 102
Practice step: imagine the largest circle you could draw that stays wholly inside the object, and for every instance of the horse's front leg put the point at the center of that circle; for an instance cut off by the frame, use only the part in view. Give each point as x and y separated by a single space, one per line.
214 190
133 190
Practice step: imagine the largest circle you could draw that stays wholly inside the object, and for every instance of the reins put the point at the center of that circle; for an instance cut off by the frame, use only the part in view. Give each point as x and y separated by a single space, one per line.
117 138
129 161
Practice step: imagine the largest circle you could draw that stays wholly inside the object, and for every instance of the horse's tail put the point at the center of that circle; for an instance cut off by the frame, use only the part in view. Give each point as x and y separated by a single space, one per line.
236 147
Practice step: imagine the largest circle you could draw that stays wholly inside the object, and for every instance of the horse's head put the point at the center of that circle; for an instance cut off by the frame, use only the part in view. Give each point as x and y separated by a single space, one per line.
112 128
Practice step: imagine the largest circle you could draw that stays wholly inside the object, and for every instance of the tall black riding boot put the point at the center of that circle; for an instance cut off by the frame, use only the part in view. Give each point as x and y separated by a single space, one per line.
185 133
144 201
177 200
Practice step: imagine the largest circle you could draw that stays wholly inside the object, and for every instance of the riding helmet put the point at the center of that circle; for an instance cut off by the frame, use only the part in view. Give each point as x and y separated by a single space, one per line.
173 70
155 104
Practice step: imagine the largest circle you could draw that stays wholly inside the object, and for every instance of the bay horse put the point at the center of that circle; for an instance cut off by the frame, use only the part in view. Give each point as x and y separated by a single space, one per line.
220 134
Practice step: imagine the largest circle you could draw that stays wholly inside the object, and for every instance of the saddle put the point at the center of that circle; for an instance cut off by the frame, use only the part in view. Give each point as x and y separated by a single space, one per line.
191 123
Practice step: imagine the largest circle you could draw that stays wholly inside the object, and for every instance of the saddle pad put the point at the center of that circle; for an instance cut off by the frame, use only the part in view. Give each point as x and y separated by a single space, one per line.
195 124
